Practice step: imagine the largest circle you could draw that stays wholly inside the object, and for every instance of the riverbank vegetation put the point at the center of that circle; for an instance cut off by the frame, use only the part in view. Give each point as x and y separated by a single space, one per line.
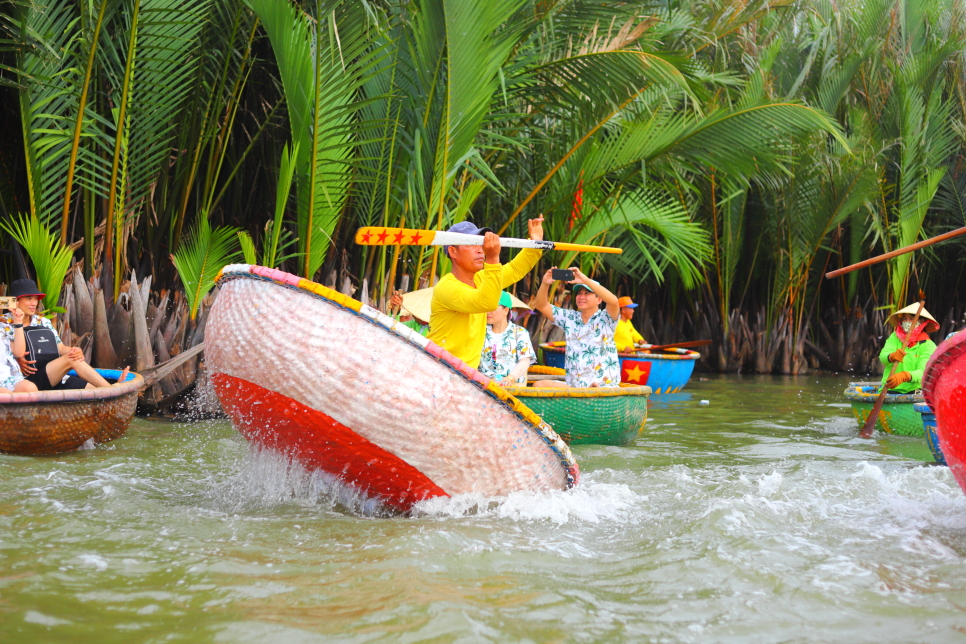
735 150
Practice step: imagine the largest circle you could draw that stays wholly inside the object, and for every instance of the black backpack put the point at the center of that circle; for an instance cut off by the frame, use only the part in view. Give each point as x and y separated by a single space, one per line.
41 343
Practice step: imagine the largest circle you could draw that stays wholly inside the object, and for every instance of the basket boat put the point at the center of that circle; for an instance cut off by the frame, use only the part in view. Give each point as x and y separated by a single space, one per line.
53 422
588 416
897 415
929 427
345 389
665 373
944 388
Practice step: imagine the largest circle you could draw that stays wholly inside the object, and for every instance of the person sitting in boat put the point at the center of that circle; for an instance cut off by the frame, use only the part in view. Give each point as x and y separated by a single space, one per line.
49 359
462 298
11 379
911 360
591 359
507 350
626 336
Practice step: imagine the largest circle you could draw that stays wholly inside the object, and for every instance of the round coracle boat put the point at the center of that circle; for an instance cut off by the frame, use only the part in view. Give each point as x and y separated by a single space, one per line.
53 422
897 415
665 372
588 415
345 389
929 427
944 388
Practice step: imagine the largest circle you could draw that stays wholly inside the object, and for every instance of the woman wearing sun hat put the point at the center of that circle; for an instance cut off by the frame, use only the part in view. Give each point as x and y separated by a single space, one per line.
626 336
912 360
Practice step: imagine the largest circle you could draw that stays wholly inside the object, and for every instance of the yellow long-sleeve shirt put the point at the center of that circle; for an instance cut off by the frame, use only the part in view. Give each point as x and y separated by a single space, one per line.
458 322
626 335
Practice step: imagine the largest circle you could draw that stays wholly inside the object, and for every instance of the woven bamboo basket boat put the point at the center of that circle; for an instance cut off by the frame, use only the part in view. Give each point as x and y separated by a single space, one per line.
53 422
347 390
588 416
897 415
944 388
665 373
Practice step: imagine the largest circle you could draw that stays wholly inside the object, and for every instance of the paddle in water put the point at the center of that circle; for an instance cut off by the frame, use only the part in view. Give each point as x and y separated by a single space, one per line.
382 236
869 426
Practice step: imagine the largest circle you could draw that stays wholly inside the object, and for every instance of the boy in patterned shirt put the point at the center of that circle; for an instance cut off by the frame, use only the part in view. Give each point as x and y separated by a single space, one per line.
591 358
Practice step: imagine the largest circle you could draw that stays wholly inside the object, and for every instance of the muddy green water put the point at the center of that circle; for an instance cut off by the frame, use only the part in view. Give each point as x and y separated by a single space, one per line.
759 518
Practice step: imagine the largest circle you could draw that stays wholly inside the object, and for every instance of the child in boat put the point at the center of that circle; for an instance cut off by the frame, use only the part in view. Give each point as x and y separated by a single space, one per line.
912 360
47 369
462 298
11 379
591 359
507 350
626 336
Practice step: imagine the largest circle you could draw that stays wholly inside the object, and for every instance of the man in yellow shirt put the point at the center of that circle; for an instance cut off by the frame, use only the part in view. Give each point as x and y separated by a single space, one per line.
462 298
626 336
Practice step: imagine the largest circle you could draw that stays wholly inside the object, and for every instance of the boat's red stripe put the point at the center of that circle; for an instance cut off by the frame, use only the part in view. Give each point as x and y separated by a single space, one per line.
320 442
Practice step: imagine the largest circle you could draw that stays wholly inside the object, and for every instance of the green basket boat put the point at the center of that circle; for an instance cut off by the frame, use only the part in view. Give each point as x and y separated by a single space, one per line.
897 415
582 416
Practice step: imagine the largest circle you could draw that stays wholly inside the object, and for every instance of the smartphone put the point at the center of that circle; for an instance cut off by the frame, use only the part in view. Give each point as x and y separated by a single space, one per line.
562 274
7 303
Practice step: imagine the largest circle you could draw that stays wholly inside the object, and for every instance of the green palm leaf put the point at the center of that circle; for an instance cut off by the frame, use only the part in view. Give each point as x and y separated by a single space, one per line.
51 259
200 258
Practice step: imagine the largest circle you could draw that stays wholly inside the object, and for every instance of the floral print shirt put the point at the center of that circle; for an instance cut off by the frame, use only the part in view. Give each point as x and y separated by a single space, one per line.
6 326
591 359
503 351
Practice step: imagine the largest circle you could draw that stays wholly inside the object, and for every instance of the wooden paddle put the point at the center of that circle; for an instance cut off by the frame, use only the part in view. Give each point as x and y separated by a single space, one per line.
381 236
896 253
869 426
678 345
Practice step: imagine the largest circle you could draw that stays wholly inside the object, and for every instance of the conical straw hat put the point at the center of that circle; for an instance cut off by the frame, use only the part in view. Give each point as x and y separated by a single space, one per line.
420 303
911 310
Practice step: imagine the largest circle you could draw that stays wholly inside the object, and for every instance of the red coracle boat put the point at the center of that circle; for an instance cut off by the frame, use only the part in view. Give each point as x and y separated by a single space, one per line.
944 387
345 389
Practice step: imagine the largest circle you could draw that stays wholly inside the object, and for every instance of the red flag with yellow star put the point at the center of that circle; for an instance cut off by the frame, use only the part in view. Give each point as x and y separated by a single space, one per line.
635 372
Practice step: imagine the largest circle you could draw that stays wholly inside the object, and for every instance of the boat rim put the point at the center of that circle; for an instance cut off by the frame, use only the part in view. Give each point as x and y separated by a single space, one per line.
133 383
853 392
679 354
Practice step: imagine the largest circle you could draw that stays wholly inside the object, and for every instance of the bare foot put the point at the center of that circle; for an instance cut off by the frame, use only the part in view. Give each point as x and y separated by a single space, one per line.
123 375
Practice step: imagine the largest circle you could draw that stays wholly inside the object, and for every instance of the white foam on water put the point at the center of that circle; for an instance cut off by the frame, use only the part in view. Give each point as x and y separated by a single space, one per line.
34 617
268 478
99 562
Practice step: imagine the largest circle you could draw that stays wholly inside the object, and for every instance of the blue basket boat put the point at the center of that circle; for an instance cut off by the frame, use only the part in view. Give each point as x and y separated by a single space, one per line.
666 372
929 426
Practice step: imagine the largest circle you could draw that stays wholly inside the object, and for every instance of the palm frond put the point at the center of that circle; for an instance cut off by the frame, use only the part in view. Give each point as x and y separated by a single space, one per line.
50 258
202 256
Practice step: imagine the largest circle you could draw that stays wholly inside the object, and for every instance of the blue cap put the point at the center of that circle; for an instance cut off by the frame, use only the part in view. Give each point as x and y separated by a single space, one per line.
466 228
583 286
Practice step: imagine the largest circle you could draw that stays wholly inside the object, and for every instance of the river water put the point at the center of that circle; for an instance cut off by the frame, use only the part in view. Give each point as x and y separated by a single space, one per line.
761 517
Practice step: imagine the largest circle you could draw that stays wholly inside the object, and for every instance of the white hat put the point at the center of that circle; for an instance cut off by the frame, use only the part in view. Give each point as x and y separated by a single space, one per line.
911 310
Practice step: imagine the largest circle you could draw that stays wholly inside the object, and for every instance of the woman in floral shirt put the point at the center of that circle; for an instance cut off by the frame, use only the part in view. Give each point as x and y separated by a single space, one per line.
591 359
507 350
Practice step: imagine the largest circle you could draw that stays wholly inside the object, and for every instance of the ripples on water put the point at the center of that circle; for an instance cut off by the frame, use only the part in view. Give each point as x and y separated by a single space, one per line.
760 518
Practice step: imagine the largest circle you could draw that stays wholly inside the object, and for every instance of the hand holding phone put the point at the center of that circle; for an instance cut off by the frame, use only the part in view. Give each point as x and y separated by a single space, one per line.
562 274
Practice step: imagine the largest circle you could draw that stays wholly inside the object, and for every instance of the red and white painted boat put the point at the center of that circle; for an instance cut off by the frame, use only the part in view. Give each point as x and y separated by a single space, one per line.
944 388
345 389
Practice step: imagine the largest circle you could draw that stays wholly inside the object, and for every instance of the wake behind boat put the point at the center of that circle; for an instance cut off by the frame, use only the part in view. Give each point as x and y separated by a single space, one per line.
347 390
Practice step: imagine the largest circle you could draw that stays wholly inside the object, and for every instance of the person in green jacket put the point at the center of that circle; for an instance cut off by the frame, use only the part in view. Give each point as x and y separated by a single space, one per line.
912 360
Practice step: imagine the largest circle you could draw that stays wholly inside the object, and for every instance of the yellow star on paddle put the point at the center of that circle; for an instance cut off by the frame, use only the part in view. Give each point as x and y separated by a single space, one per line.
635 374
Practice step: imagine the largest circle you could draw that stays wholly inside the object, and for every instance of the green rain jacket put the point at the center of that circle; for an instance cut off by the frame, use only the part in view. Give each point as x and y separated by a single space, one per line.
915 361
